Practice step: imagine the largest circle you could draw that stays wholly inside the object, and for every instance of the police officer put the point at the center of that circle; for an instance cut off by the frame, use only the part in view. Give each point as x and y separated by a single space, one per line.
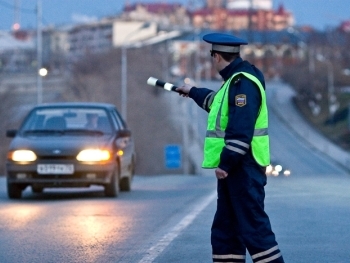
237 146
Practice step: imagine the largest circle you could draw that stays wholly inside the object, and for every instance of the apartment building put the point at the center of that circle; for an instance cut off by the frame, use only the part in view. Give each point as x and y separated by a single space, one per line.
165 15
248 4
95 37
242 15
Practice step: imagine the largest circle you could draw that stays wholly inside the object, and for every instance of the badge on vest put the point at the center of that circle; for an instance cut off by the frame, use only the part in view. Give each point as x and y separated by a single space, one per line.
241 100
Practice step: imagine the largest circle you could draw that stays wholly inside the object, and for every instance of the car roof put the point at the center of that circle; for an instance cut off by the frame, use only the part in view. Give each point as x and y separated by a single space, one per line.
76 104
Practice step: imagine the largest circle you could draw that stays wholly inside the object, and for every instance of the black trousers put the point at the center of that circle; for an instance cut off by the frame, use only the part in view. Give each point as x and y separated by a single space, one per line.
240 221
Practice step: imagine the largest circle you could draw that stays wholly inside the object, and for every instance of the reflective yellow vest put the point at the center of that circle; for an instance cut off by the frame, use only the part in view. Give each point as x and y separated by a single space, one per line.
217 123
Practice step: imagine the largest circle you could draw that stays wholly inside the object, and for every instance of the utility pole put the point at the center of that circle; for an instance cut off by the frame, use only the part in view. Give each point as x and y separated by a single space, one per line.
250 21
16 21
39 52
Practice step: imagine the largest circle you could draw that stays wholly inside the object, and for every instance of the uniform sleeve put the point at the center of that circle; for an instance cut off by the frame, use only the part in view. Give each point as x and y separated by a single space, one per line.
202 96
244 106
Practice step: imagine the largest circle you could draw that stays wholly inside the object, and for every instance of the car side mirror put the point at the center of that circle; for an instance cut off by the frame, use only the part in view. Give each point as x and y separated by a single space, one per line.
11 133
123 133
123 138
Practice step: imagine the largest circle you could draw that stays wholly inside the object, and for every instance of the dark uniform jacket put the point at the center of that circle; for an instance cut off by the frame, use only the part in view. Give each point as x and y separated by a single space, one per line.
241 120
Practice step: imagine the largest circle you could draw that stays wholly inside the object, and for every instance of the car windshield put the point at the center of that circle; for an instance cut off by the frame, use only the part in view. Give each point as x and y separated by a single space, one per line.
68 120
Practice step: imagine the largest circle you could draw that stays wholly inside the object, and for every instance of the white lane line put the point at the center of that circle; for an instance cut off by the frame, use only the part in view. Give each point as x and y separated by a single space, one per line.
155 250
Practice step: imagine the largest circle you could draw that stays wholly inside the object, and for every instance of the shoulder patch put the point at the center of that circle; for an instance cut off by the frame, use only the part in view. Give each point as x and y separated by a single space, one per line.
241 100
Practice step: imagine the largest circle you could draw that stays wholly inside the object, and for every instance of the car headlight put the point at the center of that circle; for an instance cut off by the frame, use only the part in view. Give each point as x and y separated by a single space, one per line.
22 156
93 155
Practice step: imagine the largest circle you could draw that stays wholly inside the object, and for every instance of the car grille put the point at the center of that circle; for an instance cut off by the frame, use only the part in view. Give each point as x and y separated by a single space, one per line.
55 157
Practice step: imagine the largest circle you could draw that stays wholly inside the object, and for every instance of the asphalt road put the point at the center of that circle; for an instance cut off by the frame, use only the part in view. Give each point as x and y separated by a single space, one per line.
167 218
84 226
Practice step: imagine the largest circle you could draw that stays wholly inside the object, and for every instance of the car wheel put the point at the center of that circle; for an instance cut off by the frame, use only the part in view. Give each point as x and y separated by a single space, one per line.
37 189
112 189
14 191
125 184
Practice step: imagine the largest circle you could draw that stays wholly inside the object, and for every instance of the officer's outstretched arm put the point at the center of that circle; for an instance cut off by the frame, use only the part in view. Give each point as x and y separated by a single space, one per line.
185 89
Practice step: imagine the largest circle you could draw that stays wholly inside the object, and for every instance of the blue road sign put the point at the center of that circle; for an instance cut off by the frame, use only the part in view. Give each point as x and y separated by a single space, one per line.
172 156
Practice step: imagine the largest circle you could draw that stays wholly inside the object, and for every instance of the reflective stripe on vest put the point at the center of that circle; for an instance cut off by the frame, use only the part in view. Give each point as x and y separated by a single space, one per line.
217 123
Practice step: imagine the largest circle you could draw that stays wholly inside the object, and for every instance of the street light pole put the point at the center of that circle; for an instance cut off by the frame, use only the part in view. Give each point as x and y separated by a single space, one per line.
39 53
124 83
124 73
333 104
330 77
332 100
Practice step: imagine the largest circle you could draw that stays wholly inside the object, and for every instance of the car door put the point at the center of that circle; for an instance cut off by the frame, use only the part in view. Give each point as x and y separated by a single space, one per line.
125 142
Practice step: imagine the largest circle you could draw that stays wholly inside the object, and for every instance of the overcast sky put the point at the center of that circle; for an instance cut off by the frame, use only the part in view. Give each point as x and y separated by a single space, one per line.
317 13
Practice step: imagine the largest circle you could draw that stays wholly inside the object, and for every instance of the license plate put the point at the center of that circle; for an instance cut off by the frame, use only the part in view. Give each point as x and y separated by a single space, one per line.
55 169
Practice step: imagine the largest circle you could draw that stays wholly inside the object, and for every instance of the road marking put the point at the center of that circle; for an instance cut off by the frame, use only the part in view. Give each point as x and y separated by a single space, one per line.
157 249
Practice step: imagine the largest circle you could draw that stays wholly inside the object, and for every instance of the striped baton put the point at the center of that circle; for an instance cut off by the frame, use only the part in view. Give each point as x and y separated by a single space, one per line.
165 85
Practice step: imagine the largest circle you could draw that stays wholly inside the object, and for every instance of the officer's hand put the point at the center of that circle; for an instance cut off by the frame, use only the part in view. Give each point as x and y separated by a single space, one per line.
185 89
220 174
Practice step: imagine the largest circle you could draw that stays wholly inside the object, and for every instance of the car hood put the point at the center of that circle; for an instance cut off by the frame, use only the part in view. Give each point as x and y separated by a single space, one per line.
60 145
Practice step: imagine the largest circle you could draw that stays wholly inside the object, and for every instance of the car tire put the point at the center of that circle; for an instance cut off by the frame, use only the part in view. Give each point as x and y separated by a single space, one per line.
14 191
112 189
125 184
37 189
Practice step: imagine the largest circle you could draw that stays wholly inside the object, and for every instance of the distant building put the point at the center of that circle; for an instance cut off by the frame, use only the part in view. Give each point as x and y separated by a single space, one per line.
249 4
268 50
55 47
243 18
102 36
17 51
165 15
216 15
92 38
345 26
16 40
215 3
128 32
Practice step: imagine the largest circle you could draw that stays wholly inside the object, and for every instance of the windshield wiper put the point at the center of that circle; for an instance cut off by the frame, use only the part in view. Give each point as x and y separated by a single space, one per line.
84 131
43 131
69 131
